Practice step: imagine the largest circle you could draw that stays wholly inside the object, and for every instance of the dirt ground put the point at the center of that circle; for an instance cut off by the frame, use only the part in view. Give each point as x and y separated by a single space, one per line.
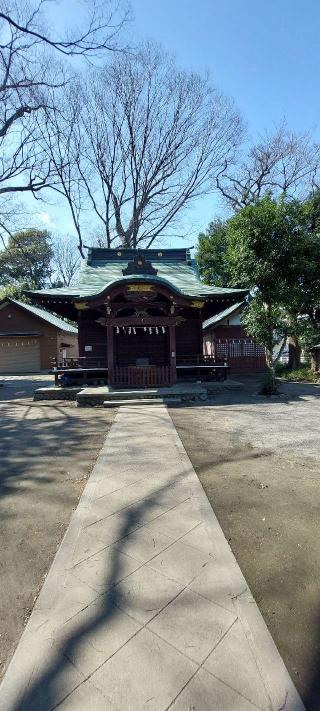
258 461
47 452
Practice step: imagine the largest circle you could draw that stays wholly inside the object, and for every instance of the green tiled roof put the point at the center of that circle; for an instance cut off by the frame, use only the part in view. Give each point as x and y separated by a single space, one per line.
46 316
217 318
175 269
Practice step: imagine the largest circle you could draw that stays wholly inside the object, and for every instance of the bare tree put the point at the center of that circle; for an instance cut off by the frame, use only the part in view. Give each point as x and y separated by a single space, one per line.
146 139
32 80
99 31
62 141
66 259
282 162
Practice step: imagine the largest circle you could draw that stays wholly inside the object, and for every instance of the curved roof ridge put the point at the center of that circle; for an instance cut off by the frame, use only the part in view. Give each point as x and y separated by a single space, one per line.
175 270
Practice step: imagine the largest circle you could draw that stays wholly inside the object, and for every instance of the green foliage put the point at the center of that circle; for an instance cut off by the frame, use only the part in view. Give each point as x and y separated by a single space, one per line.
272 248
303 292
313 203
265 246
309 332
26 259
303 374
15 291
211 254
302 299
266 323
263 241
272 251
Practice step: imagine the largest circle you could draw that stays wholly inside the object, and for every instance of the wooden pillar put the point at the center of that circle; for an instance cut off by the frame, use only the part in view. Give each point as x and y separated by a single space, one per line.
110 354
200 332
173 355
80 334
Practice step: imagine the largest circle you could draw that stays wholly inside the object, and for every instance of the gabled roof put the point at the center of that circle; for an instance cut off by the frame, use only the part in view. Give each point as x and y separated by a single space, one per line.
174 268
222 315
44 315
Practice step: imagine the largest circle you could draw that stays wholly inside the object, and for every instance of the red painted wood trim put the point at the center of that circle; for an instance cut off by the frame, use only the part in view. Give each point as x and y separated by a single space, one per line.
105 298
173 355
110 354
143 376
142 321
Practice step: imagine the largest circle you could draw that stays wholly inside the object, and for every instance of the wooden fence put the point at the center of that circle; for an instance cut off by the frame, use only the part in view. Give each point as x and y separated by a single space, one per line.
143 376
240 354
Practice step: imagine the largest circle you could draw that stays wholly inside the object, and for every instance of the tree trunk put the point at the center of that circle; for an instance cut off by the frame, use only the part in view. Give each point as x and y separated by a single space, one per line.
271 369
269 358
314 364
294 352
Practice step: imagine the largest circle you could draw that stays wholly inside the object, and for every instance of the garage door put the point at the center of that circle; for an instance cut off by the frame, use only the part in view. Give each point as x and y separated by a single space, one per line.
19 355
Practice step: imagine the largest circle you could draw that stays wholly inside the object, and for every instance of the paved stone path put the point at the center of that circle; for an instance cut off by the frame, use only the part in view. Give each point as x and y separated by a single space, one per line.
145 607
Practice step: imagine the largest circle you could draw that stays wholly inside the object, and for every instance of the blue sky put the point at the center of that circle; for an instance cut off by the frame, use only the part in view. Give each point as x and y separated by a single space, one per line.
264 54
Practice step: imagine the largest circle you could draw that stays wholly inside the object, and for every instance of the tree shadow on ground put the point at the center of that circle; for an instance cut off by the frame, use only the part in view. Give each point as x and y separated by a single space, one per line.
268 507
42 694
247 392
312 694
14 387
32 436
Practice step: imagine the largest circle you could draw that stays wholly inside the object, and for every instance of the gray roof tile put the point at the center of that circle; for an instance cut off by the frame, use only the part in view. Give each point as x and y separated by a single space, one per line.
217 318
104 267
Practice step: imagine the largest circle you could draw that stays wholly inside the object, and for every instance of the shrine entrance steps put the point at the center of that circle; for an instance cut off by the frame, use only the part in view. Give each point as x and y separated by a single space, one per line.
105 397
108 397
97 396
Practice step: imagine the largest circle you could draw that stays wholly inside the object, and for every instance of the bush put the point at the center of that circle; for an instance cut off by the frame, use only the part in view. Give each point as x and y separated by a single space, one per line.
268 385
299 374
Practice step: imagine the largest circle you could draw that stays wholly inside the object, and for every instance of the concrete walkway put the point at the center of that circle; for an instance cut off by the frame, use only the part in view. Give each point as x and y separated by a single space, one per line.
145 607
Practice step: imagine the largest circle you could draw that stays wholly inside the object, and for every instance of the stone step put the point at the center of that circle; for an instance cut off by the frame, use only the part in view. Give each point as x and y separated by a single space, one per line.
132 401
153 394
56 393
95 396
150 394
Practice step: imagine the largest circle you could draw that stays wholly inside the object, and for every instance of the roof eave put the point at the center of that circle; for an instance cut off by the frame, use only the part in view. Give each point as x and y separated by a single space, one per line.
138 278
38 316
213 321
55 295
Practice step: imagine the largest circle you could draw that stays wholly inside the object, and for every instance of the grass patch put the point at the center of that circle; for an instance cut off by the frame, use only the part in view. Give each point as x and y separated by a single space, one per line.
303 374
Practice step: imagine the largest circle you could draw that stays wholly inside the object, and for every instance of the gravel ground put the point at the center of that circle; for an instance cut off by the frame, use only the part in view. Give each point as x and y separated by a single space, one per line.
288 425
258 461
13 387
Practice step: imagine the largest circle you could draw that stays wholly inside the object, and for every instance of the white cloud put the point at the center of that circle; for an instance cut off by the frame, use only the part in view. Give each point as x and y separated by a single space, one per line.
46 219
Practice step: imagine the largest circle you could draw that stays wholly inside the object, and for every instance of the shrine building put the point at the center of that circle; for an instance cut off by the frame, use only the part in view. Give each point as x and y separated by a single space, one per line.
140 314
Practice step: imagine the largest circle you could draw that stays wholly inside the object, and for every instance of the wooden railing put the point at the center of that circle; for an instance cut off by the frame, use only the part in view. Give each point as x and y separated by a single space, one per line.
141 376
241 354
79 362
199 359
